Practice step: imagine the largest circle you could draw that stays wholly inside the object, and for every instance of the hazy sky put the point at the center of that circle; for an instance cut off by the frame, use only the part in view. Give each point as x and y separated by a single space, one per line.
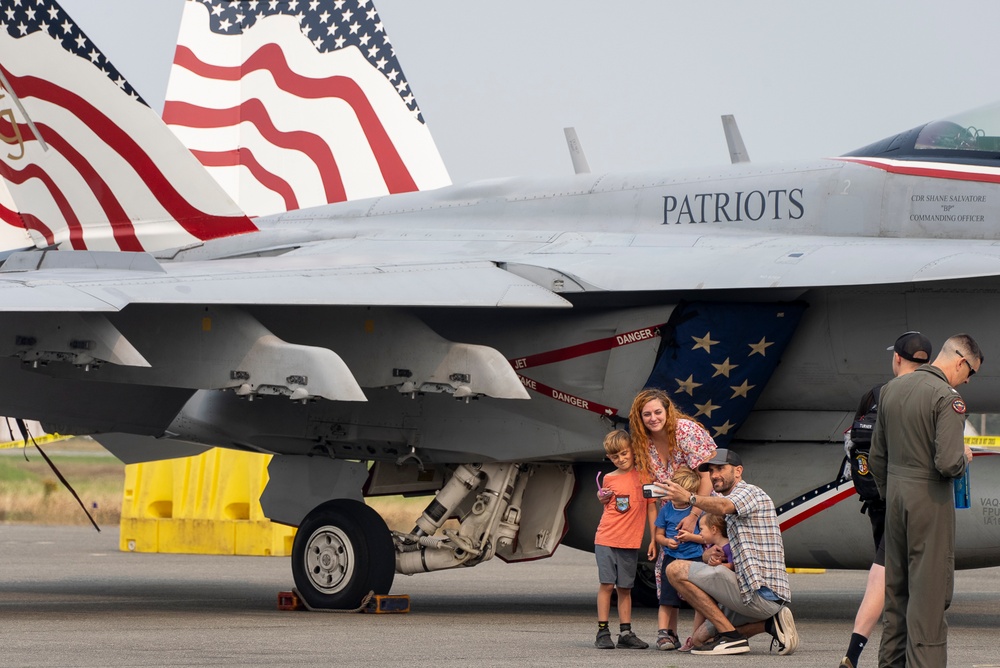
643 81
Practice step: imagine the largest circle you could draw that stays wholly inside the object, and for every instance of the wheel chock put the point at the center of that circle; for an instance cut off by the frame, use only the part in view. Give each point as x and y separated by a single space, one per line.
388 603
287 600
374 603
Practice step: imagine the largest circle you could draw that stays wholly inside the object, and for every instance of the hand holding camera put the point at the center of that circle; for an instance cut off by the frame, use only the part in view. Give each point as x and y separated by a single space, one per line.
653 491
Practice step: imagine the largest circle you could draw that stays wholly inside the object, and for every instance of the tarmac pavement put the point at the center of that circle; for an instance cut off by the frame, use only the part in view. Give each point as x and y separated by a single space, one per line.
68 597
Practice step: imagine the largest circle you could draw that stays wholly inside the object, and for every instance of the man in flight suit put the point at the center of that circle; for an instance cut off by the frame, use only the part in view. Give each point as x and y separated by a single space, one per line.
917 450
909 353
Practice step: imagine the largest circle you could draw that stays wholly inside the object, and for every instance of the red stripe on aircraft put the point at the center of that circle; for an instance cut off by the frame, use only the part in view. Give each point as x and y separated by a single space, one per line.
818 507
121 225
11 217
33 171
572 400
243 157
590 347
804 511
930 172
198 223
271 58
310 144
33 223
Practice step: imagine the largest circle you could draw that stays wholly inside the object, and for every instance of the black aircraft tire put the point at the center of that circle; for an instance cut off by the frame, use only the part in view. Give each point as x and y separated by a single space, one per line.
342 550
644 590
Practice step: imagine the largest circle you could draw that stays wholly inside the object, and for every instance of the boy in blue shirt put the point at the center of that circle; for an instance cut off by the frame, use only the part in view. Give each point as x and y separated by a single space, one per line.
670 516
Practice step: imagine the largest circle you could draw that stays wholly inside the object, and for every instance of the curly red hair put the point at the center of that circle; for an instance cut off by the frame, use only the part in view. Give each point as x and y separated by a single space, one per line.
639 433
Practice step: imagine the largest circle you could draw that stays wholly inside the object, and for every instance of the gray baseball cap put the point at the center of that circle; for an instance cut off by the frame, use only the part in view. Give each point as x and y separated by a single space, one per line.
722 457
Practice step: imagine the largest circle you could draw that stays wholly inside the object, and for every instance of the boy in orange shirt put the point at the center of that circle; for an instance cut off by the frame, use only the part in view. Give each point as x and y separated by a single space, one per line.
618 539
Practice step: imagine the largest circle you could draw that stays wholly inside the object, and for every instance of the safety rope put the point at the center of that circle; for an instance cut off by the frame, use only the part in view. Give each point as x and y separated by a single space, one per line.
27 435
364 603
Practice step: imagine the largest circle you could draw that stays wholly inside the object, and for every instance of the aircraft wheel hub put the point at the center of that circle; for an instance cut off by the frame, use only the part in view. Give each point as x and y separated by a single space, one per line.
330 559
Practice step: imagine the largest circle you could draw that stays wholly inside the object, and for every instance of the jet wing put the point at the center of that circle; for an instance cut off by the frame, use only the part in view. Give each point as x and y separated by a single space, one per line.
568 262
97 281
739 262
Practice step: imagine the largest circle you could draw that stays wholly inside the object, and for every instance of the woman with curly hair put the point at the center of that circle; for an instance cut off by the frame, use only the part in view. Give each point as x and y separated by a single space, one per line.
663 440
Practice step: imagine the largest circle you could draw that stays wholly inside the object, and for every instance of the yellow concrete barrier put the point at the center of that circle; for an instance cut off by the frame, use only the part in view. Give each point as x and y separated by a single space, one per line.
206 504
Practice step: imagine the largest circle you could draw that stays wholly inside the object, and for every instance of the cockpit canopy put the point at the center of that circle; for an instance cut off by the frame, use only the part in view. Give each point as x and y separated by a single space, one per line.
971 136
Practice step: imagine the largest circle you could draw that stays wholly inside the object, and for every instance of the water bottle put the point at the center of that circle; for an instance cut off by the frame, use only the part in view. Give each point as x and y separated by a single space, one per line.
963 490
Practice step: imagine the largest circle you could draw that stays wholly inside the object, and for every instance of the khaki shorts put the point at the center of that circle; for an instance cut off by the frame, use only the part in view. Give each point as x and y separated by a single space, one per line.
720 583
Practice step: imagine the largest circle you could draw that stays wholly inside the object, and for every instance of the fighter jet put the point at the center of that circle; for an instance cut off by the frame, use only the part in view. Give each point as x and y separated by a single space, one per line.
475 342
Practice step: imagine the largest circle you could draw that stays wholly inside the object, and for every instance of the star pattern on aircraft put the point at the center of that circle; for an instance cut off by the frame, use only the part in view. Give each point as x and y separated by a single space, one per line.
719 377
760 347
723 369
25 19
706 409
687 386
722 429
705 342
351 24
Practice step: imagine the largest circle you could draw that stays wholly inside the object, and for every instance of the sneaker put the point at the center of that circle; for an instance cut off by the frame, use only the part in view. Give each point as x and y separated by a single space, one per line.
846 663
687 646
724 645
668 642
604 640
784 632
629 640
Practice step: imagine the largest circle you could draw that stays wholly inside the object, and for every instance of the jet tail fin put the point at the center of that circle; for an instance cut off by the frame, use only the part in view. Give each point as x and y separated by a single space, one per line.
290 105
734 140
13 235
576 154
88 164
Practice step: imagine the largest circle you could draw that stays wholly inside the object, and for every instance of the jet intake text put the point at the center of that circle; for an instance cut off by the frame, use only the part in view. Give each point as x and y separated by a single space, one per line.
734 207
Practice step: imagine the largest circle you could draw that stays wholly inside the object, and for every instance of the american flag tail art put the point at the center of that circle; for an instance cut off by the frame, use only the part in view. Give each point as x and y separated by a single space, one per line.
295 104
88 164
13 235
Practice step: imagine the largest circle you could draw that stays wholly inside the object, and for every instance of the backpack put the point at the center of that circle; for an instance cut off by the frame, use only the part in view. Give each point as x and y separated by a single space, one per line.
861 441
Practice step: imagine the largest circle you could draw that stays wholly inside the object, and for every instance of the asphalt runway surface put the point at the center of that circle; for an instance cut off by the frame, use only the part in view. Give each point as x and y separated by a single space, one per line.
69 598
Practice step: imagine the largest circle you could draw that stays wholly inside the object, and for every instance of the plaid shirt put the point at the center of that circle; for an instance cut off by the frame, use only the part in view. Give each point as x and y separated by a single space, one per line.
755 537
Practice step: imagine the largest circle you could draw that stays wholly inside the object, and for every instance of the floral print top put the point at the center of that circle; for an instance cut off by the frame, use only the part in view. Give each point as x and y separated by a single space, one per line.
694 446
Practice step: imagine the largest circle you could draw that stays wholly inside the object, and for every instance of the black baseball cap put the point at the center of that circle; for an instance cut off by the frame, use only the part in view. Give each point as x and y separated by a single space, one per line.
913 346
721 458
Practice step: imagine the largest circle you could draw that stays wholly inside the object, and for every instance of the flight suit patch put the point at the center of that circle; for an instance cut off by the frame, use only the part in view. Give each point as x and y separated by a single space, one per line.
862 460
622 504
959 406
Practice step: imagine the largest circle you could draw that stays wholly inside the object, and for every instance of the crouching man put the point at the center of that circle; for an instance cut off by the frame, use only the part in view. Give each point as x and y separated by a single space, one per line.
755 595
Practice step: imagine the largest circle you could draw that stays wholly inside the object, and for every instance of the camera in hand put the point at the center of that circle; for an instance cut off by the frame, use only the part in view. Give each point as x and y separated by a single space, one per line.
653 491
